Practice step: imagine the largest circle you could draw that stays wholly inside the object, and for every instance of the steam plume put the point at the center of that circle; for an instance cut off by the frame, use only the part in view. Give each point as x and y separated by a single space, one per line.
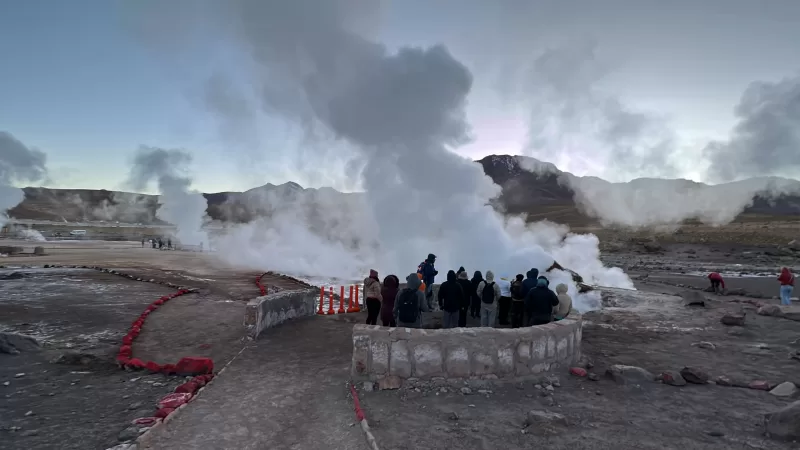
179 204
18 164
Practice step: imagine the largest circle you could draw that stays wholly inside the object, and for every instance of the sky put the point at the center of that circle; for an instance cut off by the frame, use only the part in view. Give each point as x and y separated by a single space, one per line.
88 82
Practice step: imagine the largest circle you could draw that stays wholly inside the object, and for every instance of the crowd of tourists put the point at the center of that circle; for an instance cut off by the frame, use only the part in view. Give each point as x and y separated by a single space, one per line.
785 279
524 301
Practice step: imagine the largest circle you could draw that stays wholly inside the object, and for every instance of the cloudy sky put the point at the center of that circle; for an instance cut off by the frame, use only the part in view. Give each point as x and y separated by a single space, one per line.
616 88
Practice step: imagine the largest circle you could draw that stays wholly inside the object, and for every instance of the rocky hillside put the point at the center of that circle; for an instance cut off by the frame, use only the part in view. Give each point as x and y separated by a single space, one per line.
529 186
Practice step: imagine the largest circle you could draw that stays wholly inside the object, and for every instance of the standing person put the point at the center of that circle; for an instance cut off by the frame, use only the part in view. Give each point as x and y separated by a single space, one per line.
451 296
530 281
169 243
160 244
489 293
469 292
410 303
564 302
429 272
460 270
539 303
153 241
717 283
787 285
372 294
504 305
475 301
517 302
142 242
391 285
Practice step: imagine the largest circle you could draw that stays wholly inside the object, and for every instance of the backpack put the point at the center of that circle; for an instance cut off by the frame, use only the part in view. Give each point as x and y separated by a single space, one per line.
487 296
516 289
408 309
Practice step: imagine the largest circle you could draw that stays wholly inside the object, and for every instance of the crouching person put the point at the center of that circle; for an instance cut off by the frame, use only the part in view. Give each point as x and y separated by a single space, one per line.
410 303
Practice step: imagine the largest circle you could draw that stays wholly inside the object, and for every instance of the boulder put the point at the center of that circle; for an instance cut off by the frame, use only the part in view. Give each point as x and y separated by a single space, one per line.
14 343
673 378
38 251
770 310
694 375
693 298
12 276
785 389
623 374
733 319
538 418
784 423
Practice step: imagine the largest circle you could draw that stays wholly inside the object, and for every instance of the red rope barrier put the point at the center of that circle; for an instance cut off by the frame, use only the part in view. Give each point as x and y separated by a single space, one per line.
261 287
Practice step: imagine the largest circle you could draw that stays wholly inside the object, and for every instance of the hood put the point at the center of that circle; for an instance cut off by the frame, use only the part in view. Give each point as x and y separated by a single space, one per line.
541 283
373 273
391 281
463 275
431 258
785 272
451 275
413 281
561 288
533 274
543 278
461 269
489 276
478 277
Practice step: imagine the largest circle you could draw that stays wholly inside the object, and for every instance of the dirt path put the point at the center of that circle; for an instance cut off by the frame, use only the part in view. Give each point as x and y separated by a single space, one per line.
285 391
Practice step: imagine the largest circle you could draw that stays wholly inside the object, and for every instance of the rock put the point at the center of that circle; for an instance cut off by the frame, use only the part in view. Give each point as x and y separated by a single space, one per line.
466 391
12 275
705 345
694 375
390 382
736 320
608 300
19 375
578 371
135 405
652 247
760 385
128 434
368 386
673 378
784 423
544 419
722 380
715 433
29 413
629 374
6 383
549 388
770 310
38 250
693 298
14 343
785 389
453 416
594 377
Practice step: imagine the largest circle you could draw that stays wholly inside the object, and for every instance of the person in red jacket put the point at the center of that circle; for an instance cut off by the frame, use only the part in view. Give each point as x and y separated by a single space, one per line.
717 283
786 279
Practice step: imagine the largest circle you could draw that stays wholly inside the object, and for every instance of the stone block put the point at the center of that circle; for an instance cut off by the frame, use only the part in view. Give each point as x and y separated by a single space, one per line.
389 382
483 363
427 360
562 348
551 346
380 357
539 349
457 363
540 368
360 363
505 360
399 360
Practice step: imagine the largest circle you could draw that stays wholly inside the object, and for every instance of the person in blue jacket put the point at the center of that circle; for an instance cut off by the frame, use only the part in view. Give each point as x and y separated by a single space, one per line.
429 272
530 282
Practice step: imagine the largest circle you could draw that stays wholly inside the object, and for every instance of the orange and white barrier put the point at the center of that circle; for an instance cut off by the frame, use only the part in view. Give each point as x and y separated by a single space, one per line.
352 301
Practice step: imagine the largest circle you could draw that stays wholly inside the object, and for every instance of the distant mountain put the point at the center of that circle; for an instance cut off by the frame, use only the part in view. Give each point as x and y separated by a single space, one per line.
528 185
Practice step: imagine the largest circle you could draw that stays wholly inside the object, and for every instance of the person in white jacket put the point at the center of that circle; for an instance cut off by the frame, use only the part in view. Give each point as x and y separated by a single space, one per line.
489 293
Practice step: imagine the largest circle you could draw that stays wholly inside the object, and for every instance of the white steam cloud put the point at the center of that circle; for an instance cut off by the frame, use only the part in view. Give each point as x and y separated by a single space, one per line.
18 164
179 205
401 112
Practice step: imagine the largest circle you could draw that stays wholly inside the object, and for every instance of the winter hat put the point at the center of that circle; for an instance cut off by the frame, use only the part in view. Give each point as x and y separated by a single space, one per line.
373 273
463 275
541 282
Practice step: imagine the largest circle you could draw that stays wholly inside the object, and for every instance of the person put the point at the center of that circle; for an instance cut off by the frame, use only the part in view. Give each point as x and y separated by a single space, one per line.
460 271
466 286
475 301
489 293
391 285
504 305
539 303
372 294
410 303
201 247
542 277
717 283
160 244
429 272
564 302
169 243
517 302
142 242
153 241
422 286
451 296
786 279
530 281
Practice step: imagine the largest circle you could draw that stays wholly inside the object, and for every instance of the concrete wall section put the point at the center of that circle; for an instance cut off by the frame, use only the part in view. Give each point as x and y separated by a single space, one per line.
273 309
381 353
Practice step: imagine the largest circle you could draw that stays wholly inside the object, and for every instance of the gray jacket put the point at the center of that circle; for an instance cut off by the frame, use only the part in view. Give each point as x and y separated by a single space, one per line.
413 282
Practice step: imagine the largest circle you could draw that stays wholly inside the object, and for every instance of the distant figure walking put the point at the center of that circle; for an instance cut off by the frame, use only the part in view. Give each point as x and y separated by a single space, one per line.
539 303
391 285
489 293
475 304
410 303
786 279
717 283
372 292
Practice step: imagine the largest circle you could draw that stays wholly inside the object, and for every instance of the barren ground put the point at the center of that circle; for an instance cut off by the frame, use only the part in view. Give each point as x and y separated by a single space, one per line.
306 365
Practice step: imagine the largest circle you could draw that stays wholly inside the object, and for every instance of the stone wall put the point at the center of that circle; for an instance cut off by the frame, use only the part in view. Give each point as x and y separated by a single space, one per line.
273 309
390 355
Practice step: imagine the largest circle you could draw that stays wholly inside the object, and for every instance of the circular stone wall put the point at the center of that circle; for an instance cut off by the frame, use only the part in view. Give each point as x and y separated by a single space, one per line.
392 354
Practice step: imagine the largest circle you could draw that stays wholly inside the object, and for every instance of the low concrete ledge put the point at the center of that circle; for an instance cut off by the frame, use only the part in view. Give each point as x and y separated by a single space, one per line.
273 309
391 355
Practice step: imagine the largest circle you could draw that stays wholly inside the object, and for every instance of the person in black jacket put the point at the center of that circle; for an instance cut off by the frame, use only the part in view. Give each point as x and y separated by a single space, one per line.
466 286
451 296
475 300
539 303
529 282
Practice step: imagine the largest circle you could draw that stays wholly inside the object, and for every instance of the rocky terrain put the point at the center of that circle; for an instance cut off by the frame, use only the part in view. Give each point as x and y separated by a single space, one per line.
529 186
